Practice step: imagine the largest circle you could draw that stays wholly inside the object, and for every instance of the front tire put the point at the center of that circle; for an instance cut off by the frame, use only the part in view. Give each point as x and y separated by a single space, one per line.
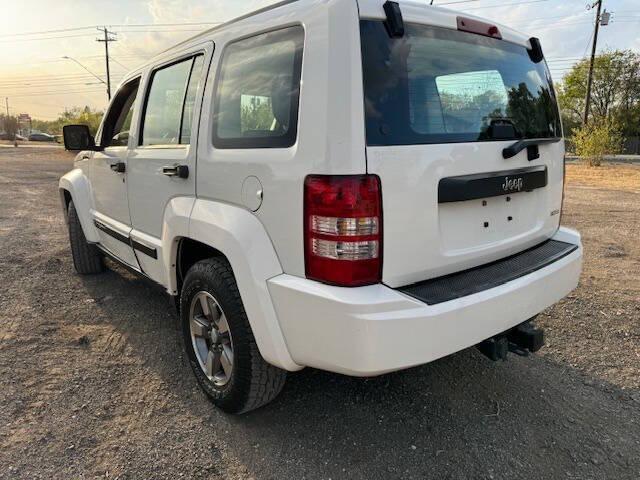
87 258
219 342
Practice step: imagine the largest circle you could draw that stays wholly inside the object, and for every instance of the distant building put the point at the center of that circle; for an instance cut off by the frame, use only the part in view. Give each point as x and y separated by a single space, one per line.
24 124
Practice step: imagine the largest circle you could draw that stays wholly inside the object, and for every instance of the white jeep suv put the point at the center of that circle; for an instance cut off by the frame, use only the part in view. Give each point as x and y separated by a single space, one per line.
358 186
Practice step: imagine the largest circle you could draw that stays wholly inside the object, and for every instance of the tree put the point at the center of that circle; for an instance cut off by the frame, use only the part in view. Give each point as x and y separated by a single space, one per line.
9 125
615 92
77 115
256 114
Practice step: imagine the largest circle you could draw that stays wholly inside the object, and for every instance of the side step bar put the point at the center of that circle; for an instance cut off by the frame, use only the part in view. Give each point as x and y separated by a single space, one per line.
521 340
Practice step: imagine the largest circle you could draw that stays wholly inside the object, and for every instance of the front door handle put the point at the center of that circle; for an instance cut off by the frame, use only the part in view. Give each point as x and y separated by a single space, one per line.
181 171
118 167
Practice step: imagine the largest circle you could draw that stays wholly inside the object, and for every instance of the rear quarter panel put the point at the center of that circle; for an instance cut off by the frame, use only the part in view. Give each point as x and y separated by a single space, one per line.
330 124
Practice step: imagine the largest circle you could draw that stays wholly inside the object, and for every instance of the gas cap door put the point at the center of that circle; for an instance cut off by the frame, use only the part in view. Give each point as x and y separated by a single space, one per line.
252 193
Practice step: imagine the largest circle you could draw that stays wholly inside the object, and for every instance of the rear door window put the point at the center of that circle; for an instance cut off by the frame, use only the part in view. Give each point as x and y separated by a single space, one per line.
436 85
258 91
170 100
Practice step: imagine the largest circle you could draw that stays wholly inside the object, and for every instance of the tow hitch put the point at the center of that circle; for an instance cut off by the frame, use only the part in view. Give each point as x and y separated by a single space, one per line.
521 340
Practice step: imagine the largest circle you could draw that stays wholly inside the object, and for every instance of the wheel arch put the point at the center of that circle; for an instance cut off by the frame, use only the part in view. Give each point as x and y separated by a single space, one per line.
188 253
234 233
74 186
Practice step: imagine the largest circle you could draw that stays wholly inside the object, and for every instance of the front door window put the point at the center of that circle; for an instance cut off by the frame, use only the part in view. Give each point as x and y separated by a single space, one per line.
115 132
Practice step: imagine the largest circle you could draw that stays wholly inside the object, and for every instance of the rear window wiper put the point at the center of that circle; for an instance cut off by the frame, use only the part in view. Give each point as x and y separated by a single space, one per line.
516 148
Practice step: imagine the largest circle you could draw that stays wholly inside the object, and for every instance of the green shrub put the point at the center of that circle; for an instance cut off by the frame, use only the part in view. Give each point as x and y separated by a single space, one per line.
598 138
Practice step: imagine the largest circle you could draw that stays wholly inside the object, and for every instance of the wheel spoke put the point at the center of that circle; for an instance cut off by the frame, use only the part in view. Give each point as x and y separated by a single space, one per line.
226 360
222 325
216 312
213 362
206 309
200 327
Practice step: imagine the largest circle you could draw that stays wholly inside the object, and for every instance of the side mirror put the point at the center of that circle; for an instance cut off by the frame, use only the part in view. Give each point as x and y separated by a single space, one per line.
78 137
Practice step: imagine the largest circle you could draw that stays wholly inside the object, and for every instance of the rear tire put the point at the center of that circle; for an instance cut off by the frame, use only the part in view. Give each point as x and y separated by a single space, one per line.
242 380
87 258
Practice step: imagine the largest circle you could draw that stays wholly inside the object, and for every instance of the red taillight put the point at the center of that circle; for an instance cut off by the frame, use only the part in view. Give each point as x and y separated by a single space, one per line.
481 28
343 229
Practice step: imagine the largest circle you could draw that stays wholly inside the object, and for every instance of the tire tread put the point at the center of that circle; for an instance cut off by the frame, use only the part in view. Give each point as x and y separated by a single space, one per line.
265 381
87 258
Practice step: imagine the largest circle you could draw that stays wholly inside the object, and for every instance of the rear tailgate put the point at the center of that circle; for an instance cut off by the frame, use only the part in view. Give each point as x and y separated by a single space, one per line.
441 106
425 239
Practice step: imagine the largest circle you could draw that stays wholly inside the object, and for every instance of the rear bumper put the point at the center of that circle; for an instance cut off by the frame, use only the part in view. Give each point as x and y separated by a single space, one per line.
375 329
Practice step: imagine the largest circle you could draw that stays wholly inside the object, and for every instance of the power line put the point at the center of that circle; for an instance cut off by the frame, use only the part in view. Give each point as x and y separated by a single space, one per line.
61 37
44 38
122 25
57 92
22 34
164 24
123 66
58 60
506 4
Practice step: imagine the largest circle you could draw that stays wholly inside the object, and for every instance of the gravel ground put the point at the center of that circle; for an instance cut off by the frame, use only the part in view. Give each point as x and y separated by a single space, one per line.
93 381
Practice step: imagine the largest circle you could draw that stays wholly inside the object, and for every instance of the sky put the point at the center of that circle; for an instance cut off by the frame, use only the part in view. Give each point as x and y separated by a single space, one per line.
38 81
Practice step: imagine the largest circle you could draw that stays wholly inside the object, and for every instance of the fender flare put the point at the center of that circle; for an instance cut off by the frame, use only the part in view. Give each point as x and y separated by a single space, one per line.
241 237
77 184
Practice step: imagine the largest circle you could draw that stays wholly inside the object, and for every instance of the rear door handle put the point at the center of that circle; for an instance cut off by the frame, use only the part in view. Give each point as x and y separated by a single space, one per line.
118 167
181 171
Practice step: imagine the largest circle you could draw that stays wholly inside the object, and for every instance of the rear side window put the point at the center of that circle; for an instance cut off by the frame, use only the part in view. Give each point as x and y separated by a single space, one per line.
168 113
258 91
437 85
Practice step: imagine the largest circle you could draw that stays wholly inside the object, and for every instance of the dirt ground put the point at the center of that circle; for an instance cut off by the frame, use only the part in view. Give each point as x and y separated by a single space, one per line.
94 384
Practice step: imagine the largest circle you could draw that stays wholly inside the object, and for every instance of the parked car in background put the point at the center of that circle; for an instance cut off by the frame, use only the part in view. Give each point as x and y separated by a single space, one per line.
386 198
6 136
41 137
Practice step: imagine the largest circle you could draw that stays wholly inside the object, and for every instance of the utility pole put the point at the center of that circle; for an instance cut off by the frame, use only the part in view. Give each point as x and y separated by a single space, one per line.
6 100
106 41
587 102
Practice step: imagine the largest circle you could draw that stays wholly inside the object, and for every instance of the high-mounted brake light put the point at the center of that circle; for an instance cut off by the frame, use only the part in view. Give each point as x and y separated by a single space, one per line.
481 28
343 229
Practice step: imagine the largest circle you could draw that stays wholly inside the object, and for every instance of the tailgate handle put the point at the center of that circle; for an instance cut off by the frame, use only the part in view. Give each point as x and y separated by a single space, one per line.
514 149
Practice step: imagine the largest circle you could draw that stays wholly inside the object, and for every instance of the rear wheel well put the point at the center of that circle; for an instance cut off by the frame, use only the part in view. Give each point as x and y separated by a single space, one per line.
67 197
189 253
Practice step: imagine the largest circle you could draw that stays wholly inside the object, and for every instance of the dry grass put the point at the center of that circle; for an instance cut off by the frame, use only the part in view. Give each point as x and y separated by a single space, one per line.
617 177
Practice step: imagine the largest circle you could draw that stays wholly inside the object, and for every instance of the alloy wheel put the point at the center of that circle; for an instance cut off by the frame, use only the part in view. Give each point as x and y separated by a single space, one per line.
211 338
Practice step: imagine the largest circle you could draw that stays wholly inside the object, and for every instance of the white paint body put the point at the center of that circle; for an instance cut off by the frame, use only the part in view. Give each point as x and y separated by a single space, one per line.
299 322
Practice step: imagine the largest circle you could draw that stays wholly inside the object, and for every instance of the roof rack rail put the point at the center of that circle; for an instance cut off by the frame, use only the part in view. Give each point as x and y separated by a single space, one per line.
233 20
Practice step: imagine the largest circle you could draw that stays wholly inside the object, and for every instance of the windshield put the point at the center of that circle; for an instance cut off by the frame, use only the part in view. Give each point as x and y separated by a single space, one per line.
436 85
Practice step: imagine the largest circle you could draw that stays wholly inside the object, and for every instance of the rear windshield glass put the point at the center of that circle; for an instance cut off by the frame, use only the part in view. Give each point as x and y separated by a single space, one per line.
436 85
